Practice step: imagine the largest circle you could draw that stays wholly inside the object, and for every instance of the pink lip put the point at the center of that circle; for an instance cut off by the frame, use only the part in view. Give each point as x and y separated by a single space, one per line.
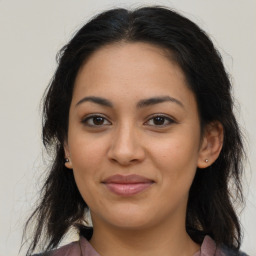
127 185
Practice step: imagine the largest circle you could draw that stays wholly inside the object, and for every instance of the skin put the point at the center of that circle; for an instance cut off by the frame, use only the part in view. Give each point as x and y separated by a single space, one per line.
129 139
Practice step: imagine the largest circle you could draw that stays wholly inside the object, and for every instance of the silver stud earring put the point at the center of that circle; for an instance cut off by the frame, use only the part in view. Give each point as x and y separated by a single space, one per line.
206 160
66 160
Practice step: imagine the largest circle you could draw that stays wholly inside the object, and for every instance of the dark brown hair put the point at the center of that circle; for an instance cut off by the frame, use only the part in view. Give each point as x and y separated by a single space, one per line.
210 209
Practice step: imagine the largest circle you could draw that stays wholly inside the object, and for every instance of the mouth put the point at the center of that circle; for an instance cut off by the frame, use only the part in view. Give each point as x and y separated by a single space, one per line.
127 185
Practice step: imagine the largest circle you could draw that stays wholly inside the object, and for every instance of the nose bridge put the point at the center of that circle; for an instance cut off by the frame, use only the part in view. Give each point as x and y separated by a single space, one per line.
125 136
126 147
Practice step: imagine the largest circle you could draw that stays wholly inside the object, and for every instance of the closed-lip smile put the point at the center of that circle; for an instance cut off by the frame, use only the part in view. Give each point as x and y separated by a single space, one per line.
127 185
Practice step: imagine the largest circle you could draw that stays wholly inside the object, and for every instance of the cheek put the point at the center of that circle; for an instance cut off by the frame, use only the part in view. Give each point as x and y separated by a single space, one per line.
86 153
176 158
175 149
87 161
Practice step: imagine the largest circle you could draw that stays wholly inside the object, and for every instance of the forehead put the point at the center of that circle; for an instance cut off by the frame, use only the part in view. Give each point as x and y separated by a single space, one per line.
131 56
131 69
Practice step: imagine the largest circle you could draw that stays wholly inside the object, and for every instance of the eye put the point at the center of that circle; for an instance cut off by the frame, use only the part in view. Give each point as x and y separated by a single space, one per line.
160 120
95 120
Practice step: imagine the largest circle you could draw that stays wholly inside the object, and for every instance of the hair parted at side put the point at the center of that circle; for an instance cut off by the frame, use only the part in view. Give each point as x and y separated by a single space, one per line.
210 209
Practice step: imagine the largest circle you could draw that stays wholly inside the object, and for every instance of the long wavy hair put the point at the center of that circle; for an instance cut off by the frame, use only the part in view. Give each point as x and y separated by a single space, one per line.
210 208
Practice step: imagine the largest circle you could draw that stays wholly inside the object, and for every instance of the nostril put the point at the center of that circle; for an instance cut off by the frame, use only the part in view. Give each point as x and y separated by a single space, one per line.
125 158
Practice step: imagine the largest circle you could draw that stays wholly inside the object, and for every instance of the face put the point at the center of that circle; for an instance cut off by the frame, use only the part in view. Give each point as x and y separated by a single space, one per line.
134 136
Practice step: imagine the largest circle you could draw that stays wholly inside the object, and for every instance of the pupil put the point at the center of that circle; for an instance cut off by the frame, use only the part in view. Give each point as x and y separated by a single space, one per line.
98 120
159 120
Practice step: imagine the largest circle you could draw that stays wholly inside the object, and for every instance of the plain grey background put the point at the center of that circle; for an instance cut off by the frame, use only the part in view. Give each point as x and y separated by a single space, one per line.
31 33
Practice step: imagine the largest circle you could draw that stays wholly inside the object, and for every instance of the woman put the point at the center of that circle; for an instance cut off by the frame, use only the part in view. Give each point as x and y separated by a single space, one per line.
139 119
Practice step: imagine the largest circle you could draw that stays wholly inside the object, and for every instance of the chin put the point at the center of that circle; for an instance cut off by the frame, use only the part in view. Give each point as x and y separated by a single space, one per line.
127 217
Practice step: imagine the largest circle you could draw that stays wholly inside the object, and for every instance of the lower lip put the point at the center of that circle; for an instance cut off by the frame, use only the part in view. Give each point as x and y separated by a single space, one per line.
127 189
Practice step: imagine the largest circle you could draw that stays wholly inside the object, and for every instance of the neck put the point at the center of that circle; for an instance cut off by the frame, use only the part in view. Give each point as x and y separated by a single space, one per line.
167 239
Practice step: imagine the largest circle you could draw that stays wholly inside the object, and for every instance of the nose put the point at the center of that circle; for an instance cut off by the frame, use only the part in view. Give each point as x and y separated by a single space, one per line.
126 147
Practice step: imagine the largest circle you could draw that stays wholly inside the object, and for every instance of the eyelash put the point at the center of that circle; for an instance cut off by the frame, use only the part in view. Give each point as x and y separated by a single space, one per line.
86 120
91 117
166 118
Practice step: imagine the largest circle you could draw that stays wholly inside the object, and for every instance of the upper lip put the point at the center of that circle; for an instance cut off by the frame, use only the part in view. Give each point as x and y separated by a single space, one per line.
127 179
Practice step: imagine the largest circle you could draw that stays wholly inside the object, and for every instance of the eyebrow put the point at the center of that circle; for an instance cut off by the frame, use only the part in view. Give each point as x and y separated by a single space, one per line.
140 104
156 100
97 100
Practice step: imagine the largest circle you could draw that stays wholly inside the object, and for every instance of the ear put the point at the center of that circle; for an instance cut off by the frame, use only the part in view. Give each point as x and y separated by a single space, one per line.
68 162
211 144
